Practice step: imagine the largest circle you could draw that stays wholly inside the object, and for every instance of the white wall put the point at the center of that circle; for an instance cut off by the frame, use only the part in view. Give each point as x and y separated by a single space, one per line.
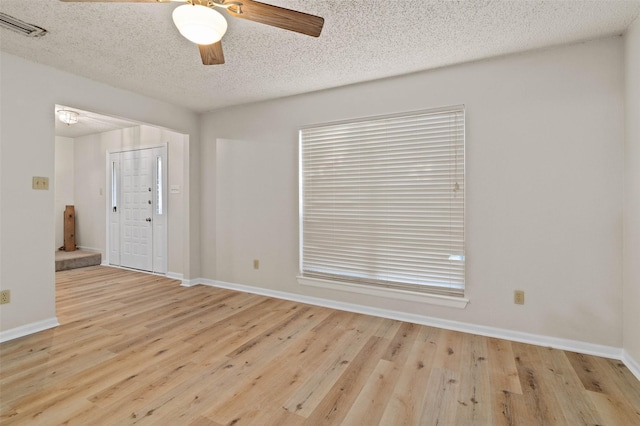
544 187
632 195
29 94
64 184
91 185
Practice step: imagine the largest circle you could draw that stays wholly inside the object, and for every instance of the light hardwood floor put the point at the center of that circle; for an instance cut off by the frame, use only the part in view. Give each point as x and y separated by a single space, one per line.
139 349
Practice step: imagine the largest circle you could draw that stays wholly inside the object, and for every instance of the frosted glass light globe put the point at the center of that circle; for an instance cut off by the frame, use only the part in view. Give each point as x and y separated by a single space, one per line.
199 24
68 117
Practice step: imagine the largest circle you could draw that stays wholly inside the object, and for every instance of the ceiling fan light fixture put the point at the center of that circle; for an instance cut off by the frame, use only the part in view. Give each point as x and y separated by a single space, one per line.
68 117
199 24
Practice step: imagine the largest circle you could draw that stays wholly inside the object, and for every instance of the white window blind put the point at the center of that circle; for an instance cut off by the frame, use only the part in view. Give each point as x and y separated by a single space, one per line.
382 201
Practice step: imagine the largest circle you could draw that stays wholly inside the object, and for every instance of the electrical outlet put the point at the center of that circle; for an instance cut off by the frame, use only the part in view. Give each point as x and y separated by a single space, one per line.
5 296
40 182
256 264
518 297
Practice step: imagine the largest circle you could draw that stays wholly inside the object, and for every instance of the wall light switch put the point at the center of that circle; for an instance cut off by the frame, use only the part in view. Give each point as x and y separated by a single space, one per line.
40 182
518 297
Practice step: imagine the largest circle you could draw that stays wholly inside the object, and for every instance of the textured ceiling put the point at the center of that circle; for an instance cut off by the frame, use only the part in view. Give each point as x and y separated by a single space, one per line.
136 47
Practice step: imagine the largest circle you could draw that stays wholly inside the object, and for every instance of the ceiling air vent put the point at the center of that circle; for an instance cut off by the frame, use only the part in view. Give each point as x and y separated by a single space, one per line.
17 25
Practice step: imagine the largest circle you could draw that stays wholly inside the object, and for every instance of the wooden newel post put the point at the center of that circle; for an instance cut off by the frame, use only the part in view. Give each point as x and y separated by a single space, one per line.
69 228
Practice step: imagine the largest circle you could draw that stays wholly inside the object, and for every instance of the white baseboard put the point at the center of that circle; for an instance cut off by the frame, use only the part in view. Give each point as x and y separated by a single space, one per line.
25 330
191 283
631 364
501 333
91 249
174 276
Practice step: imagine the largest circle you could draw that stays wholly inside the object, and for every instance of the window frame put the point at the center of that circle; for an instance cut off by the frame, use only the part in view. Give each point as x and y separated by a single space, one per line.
404 292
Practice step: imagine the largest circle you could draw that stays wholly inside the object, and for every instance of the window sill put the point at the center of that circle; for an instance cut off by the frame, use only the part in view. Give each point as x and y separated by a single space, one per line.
412 296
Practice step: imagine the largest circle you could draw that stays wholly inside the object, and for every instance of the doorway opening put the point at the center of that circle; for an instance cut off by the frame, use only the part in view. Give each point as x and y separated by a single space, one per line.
84 178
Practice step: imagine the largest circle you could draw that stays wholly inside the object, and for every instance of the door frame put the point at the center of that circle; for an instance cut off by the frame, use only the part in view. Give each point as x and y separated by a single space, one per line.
108 208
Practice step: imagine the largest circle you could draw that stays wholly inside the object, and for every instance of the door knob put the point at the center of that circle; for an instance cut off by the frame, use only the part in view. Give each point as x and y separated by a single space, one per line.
148 219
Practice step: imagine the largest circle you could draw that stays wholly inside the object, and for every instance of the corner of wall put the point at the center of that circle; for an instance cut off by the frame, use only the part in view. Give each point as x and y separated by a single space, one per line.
28 329
631 209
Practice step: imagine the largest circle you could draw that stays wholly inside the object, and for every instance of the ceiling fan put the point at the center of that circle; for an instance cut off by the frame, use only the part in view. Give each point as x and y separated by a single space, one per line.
200 23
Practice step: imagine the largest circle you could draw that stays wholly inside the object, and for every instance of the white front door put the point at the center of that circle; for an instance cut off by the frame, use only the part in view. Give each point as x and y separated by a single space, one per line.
138 213
135 226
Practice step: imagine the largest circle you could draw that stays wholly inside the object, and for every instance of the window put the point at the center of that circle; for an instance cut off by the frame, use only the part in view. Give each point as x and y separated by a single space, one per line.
114 187
382 202
159 201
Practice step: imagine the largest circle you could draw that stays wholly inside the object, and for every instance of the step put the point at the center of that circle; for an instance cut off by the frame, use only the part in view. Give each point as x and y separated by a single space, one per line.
76 259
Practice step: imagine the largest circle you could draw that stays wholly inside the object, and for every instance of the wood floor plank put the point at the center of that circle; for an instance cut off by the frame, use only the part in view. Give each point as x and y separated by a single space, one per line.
448 351
542 406
338 400
83 382
167 399
474 401
614 411
125 406
509 409
51 374
623 381
441 398
268 377
407 400
372 400
203 421
288 370
502 366
569 393
324 364
135 348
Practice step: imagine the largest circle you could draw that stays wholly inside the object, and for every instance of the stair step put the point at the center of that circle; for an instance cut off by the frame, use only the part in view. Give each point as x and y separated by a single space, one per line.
76 259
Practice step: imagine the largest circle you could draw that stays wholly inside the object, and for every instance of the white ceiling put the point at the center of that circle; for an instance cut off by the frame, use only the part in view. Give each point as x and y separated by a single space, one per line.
89 123
135 46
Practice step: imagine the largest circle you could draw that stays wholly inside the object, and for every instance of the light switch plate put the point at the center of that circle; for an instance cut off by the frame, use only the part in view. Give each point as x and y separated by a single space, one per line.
40 182
518 297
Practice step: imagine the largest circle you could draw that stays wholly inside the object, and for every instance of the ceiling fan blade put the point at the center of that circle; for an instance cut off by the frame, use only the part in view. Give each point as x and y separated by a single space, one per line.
279 17
211 53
